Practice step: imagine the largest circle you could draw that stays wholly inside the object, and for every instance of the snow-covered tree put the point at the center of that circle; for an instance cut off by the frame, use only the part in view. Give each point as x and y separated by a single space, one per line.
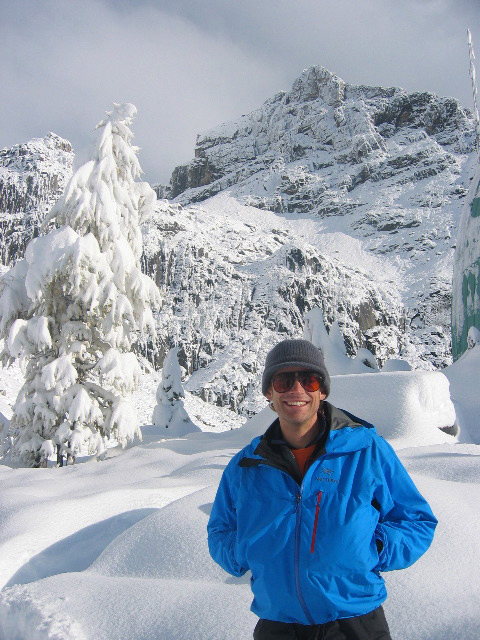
169 412
72 308
333 349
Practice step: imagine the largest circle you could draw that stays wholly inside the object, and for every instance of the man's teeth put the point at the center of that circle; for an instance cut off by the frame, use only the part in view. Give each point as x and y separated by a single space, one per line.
296 404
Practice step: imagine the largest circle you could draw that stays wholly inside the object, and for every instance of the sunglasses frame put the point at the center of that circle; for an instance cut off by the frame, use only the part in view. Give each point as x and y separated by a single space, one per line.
296 376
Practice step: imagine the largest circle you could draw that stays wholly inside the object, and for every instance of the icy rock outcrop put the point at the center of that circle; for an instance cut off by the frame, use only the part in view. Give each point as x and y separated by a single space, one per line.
32 177
233 287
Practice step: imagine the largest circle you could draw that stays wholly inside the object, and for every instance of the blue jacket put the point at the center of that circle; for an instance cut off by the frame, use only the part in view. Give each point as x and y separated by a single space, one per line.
312 546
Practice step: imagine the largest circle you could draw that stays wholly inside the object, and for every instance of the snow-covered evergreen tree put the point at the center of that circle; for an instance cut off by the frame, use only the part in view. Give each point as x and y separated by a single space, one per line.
169 412
336 338
71 309
333 349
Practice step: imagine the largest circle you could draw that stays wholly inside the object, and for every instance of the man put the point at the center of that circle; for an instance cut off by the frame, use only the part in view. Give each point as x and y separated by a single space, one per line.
316 508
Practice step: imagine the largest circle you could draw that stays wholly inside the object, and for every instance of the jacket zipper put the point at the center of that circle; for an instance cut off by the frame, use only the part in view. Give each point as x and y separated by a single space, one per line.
297 559
317 511
298 506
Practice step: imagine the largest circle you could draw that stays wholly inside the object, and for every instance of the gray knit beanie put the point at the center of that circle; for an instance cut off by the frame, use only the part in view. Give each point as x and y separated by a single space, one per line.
295 353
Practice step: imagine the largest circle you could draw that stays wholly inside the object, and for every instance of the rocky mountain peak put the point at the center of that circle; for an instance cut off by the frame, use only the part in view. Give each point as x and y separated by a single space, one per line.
382 165
317 83
322 122
50 149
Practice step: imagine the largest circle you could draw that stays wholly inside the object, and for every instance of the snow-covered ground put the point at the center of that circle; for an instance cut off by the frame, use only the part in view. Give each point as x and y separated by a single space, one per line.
116 550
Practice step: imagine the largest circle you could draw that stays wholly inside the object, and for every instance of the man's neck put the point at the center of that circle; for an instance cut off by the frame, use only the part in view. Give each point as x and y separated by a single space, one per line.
299 437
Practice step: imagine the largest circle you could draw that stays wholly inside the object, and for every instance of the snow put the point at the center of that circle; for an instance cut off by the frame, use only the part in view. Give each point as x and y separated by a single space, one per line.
409 408
116 550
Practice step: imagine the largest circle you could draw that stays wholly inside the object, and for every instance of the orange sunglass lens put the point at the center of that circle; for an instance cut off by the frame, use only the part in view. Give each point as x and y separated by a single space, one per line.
283 382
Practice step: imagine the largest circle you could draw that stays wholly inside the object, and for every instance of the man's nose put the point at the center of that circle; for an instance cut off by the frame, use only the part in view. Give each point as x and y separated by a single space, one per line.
296 386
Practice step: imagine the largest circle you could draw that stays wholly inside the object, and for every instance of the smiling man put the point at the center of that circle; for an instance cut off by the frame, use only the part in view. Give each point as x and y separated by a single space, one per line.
316 509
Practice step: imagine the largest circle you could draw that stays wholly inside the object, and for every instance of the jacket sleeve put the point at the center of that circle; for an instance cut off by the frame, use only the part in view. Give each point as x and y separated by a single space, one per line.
406 524
222 526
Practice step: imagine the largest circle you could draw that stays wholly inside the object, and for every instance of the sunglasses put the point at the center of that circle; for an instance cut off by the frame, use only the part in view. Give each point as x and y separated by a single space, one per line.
283 382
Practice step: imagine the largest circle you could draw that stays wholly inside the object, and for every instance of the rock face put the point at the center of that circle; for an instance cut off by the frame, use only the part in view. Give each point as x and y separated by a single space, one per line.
32 178
235 280
381 165
324 138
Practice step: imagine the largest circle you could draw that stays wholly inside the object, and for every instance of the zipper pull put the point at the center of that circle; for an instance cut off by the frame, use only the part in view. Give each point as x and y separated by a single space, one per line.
317 509
297 501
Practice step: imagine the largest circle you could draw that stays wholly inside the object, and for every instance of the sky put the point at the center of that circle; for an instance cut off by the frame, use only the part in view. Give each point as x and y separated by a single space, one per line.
190 65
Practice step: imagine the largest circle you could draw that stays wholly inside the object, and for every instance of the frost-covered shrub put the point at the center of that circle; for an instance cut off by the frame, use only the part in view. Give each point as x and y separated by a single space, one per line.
169 412
73 306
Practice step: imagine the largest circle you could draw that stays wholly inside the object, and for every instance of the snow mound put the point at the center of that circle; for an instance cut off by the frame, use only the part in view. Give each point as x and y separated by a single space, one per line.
170 535
409 408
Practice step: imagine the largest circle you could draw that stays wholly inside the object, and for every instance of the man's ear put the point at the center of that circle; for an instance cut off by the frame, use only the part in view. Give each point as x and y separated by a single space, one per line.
268 393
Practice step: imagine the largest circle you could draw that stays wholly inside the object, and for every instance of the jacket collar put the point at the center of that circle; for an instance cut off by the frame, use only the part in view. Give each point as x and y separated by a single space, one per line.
340 434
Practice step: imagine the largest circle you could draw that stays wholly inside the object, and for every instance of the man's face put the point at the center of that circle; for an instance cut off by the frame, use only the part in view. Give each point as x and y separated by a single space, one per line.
296 408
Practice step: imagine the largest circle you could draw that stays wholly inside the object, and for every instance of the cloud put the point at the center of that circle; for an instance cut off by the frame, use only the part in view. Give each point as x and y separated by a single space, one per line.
189 65
67 67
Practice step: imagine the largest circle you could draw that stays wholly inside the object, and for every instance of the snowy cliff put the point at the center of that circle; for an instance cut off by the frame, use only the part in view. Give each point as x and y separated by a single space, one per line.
236 279
32 177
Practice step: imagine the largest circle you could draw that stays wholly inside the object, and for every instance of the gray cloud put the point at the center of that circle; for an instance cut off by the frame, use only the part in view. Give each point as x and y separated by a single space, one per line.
189 65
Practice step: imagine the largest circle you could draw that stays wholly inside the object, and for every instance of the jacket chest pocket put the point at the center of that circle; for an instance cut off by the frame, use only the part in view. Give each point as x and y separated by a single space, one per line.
265 498
340 530
318 503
